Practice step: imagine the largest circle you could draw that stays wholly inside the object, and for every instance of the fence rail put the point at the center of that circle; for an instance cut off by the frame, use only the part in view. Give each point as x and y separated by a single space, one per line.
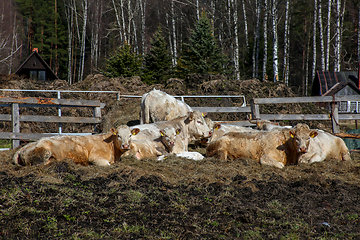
16 102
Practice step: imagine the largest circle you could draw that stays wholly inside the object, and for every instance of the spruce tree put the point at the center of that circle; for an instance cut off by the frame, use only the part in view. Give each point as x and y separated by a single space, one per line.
202 54
124 62
158 61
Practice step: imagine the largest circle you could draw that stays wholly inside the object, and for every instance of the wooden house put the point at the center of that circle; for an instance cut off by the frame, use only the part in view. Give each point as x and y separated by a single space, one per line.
36 68
328 83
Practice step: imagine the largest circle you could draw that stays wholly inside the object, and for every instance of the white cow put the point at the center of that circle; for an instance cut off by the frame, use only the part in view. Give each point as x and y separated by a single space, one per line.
193 127
157 106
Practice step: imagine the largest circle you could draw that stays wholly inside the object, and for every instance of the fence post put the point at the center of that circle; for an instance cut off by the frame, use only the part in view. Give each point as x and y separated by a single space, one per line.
255 112
15 121
97 114
335 117
59 112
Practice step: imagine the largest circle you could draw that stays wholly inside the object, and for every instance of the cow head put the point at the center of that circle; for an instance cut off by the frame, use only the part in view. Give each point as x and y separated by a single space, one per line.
197 126
168 137
123 134
302 135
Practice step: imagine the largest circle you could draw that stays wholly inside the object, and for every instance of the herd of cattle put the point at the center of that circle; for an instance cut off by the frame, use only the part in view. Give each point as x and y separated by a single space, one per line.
174 125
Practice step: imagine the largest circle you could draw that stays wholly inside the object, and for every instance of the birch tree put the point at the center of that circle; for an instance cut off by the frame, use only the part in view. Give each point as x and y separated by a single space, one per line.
255 55
328 30
265 39
83 38
69 13
286 44
142 4
245 25
174 45
275 40
236 36
337 38
321 38
314 41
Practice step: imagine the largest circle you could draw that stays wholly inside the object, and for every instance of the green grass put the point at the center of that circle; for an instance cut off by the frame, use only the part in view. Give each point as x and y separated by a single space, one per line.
5 143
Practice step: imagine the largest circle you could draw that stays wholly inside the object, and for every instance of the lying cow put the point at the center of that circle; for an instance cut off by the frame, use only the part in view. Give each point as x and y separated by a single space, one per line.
325 146
153 148
193 127
277 147
157 106
102 149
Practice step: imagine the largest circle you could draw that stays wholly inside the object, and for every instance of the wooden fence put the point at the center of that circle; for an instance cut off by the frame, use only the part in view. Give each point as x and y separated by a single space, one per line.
16 118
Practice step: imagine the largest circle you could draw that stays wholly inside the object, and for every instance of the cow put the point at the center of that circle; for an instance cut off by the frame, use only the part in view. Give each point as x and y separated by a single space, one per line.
325 146
219 130
101 149
277 147
152 148
266 125
157 106
193 127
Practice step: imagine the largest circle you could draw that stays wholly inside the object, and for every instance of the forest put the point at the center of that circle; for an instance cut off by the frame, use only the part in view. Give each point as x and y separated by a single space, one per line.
275 40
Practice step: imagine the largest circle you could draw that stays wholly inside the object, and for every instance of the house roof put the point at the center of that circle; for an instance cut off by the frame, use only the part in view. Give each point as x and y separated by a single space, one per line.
43 66
328 83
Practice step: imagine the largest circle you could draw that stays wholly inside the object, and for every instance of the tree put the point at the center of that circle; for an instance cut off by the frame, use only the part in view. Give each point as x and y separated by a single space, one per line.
124 62
158 61
202 54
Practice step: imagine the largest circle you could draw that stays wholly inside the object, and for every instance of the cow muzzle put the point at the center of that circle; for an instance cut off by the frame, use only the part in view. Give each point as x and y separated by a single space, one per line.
125 146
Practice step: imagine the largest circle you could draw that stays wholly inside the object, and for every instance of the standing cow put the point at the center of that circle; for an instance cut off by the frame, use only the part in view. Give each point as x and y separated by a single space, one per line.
193 127
277 147
102 149
157 106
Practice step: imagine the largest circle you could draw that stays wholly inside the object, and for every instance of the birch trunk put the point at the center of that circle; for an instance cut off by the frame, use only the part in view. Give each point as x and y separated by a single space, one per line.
173 33
256 40
314 42
275 41
327 50
83 38
245 26
143 23
117 20
123 20
286 45
70 19
358 52
197 10
337 38
236 47
265 40
321 38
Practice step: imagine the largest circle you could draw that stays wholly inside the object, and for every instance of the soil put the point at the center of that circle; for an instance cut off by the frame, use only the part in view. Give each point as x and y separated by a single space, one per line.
175 198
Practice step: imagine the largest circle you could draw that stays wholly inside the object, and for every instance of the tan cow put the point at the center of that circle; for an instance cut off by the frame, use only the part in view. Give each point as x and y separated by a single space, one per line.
277 147
102 149
193 127
325 146
152 148
157 106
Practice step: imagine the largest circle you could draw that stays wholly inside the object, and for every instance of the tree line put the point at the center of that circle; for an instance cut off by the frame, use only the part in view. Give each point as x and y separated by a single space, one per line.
276 40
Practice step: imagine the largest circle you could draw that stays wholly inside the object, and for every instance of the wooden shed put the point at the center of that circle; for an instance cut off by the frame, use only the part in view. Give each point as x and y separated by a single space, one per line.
329 83
36 68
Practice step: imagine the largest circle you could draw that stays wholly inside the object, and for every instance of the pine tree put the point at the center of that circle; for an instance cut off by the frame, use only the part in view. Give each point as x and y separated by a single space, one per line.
158 61
124 62
202 54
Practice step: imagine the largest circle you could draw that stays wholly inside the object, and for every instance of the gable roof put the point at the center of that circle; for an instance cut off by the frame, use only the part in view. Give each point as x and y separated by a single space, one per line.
329 82
30 64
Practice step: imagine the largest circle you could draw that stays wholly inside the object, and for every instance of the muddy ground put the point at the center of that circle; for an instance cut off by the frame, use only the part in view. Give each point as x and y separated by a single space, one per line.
177 198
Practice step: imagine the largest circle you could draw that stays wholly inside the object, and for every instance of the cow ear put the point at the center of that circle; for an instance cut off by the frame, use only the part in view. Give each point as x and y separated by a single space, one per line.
178 131
162 133
217 126
135 131
191 116
113 130
313 134
292 134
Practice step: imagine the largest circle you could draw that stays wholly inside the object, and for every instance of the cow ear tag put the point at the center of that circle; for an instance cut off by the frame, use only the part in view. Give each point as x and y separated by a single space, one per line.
292 135
312 135
217 127
161 134
177 132
134 133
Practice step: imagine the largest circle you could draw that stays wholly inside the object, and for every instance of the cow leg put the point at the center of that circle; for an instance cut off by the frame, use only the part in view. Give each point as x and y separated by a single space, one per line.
266 160
99 162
